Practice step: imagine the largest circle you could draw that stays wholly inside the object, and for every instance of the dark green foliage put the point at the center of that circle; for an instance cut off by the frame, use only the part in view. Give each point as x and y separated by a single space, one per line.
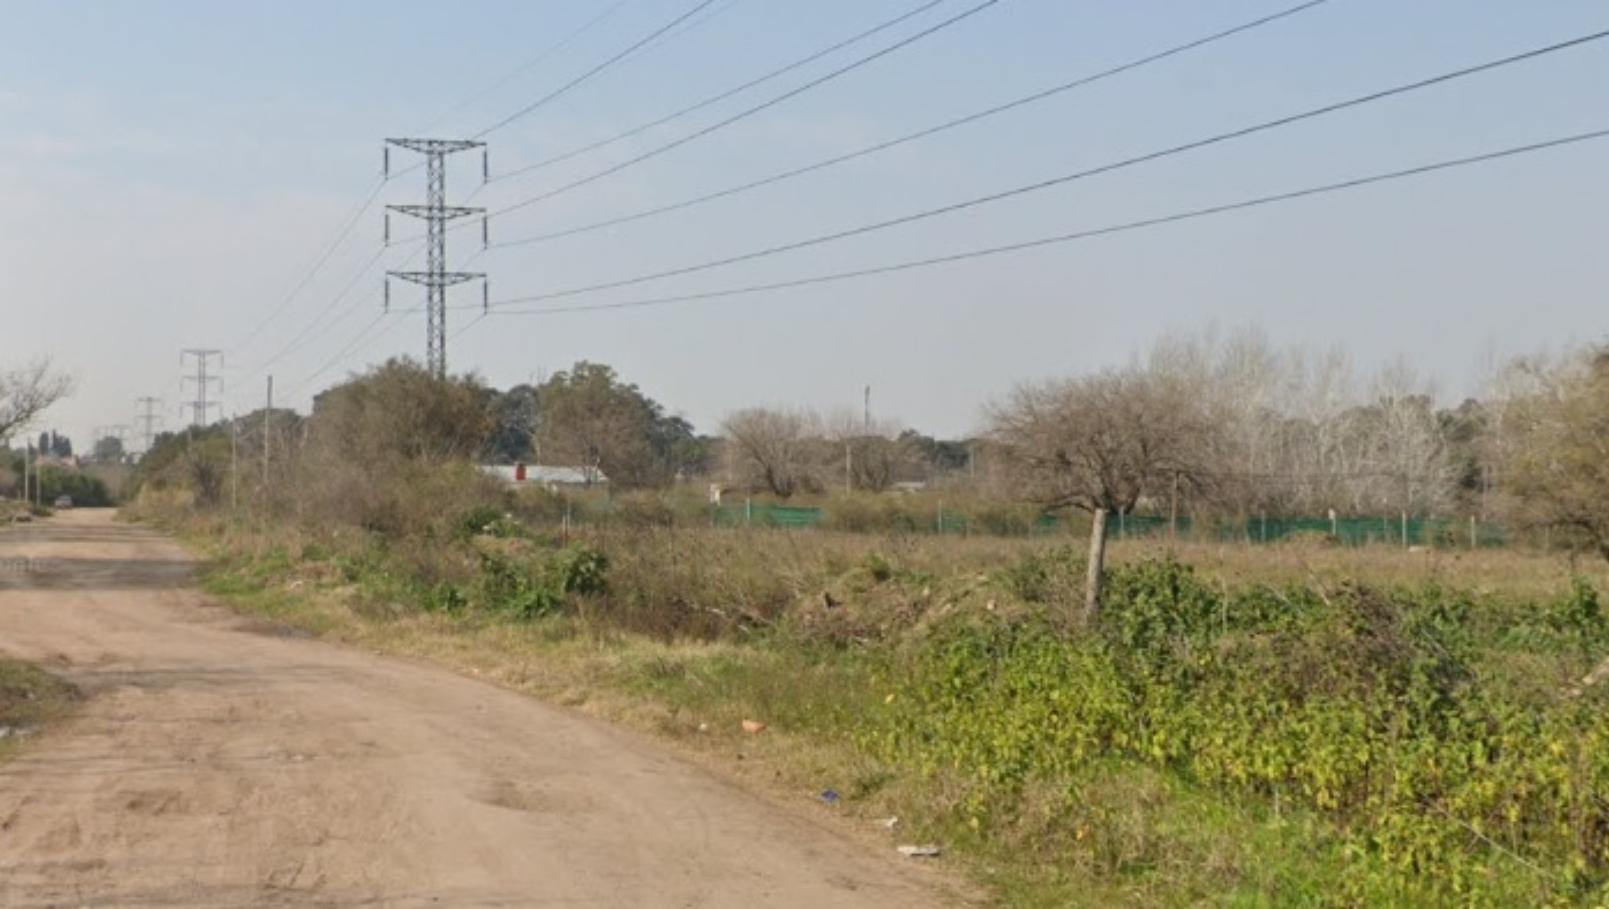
85 490
580 569
530 588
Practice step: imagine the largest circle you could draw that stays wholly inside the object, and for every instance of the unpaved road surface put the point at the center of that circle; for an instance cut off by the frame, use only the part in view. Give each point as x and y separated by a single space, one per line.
215 765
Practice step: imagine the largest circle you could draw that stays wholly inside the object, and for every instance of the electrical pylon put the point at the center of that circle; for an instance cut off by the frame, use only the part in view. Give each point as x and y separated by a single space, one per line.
148 419
201 406
436 213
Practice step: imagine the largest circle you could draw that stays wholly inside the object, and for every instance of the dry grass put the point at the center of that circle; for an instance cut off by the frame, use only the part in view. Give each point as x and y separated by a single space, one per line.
704 628
29 698
784 559
1509 572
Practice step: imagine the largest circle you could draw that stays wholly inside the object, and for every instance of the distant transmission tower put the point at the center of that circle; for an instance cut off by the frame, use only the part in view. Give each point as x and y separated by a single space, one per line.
200 407
435 213
148 419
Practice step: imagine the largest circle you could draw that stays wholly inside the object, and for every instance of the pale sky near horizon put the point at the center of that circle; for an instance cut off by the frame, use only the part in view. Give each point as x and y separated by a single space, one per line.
170 170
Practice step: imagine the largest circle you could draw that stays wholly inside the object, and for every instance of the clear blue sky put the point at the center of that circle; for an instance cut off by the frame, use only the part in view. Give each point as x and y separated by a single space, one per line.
169 170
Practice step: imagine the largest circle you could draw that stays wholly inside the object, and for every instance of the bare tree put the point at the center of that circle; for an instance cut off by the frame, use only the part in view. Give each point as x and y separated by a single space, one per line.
1551 445
868 456
774 450
1407 453
27 392
1101 441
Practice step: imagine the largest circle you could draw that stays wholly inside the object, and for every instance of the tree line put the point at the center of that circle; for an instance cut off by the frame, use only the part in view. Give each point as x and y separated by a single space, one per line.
1200 425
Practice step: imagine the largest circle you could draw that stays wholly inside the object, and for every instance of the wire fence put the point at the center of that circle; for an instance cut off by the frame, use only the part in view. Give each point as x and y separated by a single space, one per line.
1352 531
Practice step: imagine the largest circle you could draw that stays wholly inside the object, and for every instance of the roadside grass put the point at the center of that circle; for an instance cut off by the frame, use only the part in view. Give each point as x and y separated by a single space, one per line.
30 698
703 630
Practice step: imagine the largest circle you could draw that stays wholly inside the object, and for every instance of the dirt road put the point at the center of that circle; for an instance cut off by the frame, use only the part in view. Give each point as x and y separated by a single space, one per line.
215 765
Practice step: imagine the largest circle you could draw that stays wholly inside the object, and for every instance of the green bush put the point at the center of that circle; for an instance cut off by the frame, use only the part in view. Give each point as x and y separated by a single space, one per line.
580 569
490 521
529 589
1371 708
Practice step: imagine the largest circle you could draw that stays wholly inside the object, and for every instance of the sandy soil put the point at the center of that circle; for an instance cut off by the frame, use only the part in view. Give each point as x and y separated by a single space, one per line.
216 764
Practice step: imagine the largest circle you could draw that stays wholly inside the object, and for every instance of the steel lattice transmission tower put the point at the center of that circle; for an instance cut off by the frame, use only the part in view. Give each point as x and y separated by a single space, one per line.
149 419
436 214
201 408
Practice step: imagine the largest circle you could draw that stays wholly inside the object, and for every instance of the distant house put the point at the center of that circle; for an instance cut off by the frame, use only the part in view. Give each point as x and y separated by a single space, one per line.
545 475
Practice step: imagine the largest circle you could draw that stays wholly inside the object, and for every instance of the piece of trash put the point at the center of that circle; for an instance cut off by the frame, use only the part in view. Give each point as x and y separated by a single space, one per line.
889 823
989 605
753 726
920 851
830 796
703 727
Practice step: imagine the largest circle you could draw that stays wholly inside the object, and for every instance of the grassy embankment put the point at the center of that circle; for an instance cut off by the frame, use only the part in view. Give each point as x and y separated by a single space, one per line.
1245 726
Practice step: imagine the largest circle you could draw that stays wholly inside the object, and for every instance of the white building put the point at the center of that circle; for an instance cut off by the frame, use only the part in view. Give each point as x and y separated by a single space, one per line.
548 476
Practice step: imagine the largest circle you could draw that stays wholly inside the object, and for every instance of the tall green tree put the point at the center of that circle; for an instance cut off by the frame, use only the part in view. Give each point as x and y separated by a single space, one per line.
589 418
108 450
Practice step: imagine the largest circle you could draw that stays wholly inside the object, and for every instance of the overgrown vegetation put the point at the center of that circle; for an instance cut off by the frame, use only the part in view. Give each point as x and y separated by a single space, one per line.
1299 724
1282 741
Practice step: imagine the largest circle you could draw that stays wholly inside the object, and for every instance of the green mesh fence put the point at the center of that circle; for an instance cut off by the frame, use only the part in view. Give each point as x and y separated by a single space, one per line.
1348 531
756 514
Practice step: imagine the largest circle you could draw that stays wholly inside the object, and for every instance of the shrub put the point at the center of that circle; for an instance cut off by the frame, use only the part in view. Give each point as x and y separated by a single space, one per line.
1369 707
580 569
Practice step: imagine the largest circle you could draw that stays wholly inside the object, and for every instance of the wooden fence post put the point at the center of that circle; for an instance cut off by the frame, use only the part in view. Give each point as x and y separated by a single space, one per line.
1097 562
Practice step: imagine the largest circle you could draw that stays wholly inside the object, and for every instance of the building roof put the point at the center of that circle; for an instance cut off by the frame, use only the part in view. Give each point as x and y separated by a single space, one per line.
547 474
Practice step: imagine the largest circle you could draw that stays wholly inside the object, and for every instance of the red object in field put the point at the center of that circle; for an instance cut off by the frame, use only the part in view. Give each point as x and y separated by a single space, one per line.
519 473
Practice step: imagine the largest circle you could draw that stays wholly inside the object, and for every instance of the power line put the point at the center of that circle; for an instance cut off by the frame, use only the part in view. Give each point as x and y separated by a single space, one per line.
657 35
530 64
687 27
362 340
722 96
374 193
1063 179
750 111
611 61
318 264
923 133
1109 230
363 333
323 314
436 214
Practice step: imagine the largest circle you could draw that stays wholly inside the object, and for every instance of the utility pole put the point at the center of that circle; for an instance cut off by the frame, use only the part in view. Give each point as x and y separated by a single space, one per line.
148 418
436 213
234 457
201 406
1173 510
268 411
866 411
